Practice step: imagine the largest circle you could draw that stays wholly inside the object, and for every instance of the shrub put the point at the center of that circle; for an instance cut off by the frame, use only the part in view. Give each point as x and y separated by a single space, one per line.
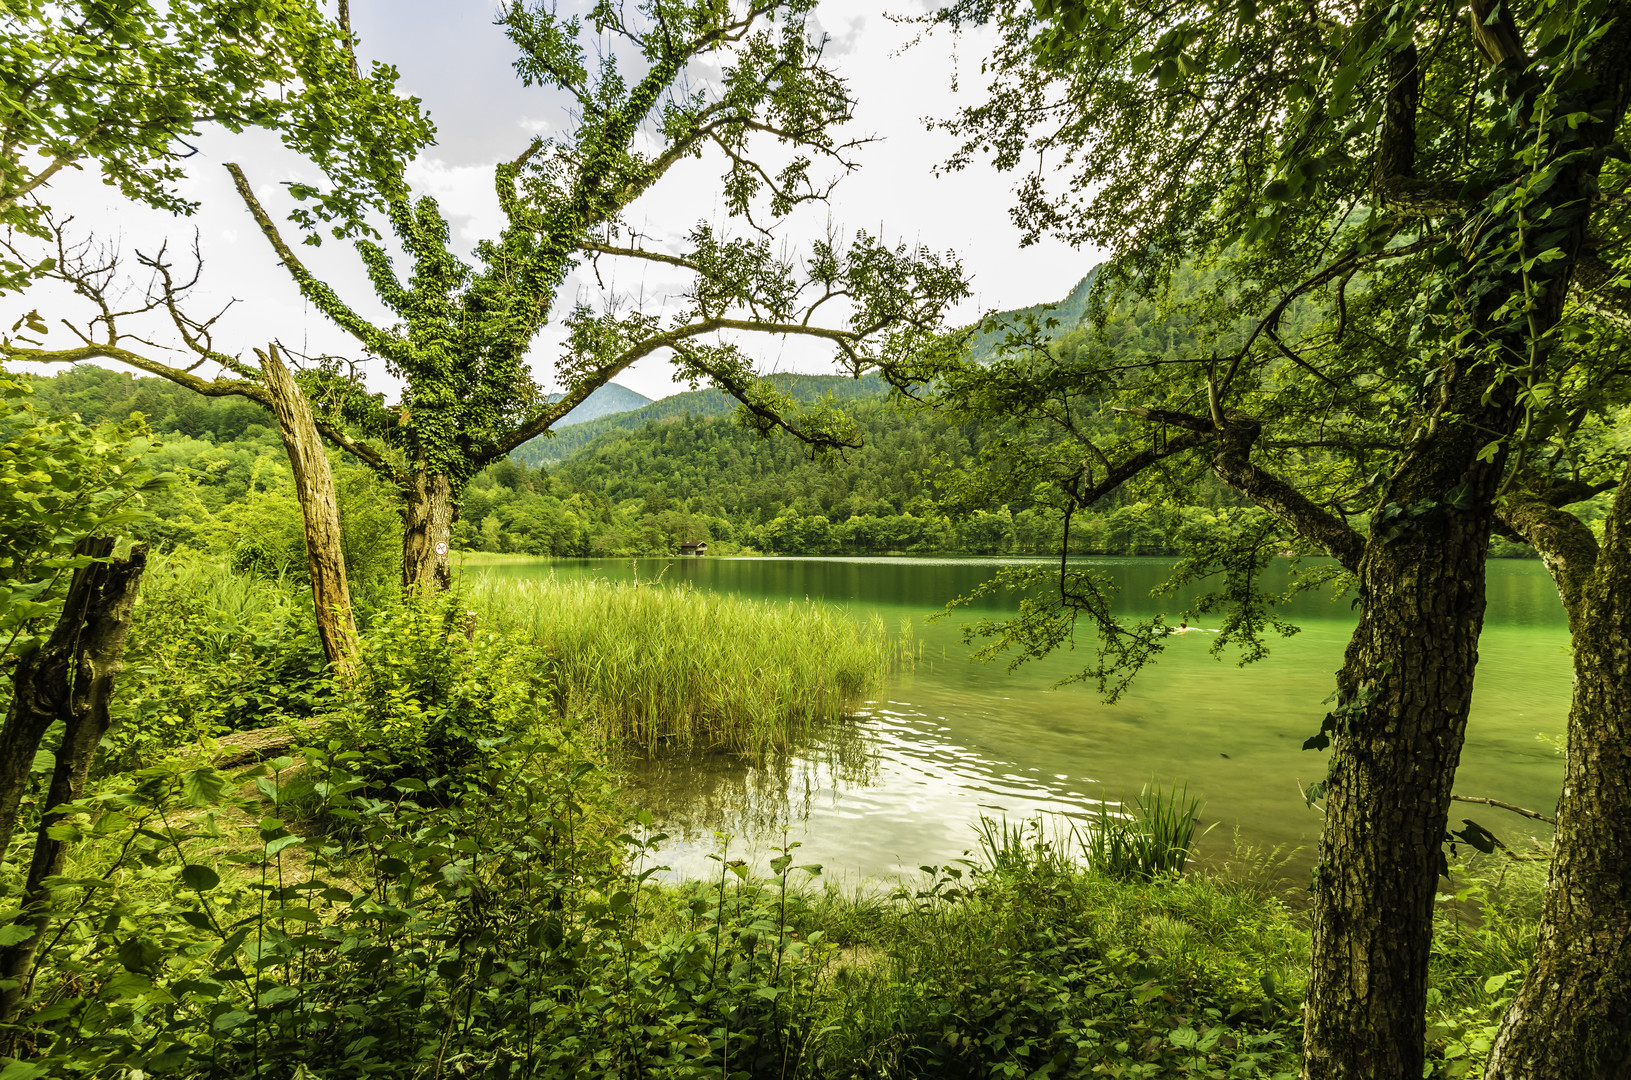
511 935
437 689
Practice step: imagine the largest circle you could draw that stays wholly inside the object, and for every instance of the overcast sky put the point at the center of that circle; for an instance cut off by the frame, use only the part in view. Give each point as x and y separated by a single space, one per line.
451 55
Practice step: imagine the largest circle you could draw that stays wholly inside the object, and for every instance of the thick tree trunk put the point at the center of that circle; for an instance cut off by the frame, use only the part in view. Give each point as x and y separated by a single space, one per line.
1407 680
427 520
314 487
74 684
1571 1019
49 683
1405 689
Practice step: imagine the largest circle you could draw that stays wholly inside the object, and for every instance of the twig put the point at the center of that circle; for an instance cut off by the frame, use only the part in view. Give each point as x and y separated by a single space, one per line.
1505 806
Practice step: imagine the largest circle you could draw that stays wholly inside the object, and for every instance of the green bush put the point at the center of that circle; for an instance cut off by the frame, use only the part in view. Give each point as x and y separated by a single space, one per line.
438 688
1035 967
511 935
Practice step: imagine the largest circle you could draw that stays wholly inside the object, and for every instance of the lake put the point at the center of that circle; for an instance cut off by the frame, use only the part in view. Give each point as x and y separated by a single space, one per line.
954 739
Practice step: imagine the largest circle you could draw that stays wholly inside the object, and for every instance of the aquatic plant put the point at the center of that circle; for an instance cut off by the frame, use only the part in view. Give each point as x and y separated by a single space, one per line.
647 665
1154 839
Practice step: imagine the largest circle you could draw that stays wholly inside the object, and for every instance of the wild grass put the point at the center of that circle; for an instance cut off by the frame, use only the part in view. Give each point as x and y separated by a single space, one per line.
650 665
1156 839
1024 956
1150 837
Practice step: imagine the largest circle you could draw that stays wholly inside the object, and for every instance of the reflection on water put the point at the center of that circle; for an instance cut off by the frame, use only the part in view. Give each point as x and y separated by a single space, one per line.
868 794
901 785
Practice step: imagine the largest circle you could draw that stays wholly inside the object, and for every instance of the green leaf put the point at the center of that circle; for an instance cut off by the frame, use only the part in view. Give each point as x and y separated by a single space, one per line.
200 877
277 995
15 933
140 956
204 786
197 919
229 1020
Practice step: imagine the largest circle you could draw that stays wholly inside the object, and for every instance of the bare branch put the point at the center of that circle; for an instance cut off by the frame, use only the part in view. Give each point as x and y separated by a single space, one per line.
1505 806
325 298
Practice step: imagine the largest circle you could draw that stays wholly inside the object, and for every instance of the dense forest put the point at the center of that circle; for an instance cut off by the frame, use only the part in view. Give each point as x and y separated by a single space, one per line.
637 483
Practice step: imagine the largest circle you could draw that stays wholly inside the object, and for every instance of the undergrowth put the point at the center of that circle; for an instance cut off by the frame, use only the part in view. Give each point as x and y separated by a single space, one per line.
449 885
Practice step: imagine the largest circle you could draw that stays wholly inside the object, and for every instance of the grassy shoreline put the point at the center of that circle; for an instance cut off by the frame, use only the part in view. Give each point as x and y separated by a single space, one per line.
453 885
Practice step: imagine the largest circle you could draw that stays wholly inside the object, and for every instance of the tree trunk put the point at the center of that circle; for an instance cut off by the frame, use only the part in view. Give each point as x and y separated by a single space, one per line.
427 520
314 487
1405 689
72 682
1571 1019
45 681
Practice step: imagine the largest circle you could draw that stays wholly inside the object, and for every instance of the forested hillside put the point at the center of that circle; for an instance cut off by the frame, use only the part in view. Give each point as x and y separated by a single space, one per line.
560 445
641 481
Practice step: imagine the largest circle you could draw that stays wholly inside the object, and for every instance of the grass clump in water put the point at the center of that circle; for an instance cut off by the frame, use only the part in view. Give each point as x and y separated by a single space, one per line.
1153 838
650 665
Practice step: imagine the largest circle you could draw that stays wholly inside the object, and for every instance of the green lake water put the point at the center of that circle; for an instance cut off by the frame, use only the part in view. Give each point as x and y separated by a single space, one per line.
954 739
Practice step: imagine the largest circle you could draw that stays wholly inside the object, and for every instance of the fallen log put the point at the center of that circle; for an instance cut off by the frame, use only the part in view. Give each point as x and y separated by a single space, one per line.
248 747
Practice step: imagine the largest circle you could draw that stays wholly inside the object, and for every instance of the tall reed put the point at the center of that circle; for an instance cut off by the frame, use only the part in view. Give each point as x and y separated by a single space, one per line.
650 665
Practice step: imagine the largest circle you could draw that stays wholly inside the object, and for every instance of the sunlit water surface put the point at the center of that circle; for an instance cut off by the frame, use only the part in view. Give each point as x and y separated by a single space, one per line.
905 782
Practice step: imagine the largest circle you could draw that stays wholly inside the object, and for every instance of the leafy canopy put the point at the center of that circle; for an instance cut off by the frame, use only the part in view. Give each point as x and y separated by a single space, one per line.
130 85
671 82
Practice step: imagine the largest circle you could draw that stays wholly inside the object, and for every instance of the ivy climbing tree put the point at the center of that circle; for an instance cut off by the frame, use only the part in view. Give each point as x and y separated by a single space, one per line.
465 329
1444 185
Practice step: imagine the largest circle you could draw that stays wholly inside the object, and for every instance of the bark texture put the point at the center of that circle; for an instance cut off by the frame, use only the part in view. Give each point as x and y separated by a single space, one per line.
1571 1019
45 681
314 488
1405 690
1406 682
72 682
427 530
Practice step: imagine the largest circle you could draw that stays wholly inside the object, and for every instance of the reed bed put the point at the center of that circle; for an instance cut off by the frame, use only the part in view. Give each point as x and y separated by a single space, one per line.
649 665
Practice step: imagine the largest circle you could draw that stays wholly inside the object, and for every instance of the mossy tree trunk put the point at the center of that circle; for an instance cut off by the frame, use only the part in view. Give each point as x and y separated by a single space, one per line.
1569 1020
314 488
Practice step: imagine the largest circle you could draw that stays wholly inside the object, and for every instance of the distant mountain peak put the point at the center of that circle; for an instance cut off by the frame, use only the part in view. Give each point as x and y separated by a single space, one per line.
608 400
